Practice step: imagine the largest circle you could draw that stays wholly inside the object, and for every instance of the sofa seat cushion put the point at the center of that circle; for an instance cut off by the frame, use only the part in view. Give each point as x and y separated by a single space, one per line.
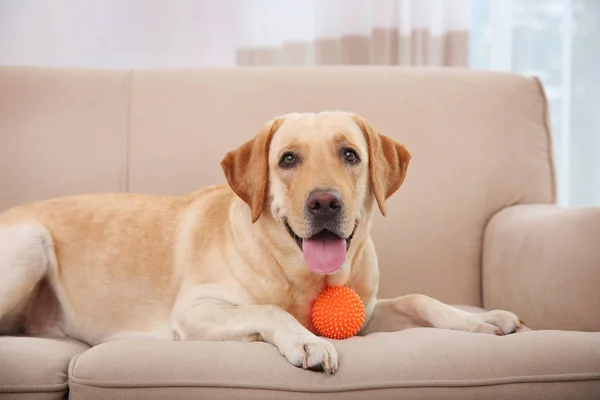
35 368
419 363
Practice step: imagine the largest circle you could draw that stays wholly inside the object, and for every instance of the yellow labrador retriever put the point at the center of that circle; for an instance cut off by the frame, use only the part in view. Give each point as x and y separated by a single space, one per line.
241 261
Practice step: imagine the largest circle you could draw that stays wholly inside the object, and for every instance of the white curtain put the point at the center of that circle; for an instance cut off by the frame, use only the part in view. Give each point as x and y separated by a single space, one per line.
314 32
554 39
118 33
169 33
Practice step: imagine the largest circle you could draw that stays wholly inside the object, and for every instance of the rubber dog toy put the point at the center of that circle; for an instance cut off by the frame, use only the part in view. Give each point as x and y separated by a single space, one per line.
337 313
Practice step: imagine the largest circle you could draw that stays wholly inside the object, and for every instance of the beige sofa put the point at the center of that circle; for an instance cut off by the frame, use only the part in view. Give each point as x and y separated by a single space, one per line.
473 225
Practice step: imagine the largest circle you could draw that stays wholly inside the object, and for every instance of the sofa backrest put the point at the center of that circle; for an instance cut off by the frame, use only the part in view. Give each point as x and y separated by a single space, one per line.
479 140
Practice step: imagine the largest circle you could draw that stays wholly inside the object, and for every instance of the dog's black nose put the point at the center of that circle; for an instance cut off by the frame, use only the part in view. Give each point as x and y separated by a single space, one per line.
324 203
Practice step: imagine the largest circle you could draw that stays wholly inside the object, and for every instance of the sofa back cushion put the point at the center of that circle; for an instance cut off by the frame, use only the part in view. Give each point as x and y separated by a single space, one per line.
61 132
479 142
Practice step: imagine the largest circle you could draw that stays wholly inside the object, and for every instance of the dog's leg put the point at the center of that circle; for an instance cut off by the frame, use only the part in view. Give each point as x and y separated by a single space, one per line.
421 311
202 318
23 263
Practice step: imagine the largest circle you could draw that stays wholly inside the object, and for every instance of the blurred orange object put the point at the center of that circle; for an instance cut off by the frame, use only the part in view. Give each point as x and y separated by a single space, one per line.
337 313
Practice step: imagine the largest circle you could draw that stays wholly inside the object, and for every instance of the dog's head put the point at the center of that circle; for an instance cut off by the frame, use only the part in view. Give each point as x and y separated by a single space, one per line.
318 175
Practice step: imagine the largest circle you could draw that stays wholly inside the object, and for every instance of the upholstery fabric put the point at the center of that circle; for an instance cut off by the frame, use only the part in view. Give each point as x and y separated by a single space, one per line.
480 148
35 368
412 364
543 263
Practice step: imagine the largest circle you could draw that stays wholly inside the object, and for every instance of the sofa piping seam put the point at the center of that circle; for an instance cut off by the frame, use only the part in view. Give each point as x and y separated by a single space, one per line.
548 131
127 161
35 389
372 386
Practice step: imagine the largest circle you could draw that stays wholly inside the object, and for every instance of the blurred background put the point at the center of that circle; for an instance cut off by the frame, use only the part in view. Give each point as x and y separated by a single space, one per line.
556 40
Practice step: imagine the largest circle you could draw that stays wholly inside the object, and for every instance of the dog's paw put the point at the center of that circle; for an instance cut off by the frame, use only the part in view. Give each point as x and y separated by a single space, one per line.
310 352
496 322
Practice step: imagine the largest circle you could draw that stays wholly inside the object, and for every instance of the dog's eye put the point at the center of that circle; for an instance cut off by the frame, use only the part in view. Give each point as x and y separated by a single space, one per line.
287 160
350 156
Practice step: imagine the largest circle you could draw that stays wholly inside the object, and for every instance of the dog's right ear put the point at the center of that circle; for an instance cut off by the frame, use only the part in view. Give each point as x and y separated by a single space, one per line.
247 169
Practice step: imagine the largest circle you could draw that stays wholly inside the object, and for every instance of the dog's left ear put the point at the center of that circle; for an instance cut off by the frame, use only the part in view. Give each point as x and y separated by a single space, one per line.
247 169
388 162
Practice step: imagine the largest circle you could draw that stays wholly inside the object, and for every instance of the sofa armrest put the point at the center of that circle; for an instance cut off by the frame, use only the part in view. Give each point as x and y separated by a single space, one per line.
542 262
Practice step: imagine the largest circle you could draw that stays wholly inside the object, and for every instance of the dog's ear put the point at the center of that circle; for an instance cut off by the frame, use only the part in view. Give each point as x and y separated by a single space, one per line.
388 162
247 169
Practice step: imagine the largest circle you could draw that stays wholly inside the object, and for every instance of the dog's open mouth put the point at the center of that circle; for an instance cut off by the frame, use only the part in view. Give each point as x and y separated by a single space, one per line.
324 252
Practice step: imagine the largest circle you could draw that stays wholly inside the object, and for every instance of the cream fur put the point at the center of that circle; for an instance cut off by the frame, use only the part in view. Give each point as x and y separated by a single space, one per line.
108 266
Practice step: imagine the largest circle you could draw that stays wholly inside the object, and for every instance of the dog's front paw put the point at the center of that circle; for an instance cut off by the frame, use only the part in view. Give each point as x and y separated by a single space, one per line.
310 352
497 322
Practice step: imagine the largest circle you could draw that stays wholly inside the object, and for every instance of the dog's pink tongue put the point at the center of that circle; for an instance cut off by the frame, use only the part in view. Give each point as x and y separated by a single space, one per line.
324 253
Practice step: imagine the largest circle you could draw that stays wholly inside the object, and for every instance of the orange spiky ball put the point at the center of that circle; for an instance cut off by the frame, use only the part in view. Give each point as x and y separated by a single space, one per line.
337 313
